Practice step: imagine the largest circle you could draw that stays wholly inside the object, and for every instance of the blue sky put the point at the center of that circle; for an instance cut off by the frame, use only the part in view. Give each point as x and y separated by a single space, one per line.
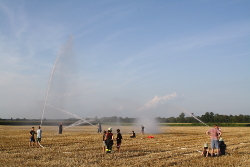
125 58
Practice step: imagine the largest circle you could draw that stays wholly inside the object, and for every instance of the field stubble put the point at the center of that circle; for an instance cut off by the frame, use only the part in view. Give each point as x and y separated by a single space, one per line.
82 146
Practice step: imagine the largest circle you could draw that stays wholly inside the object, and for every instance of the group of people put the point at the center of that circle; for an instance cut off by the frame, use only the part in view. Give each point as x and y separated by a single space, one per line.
216 143
38 134
108 140
215 134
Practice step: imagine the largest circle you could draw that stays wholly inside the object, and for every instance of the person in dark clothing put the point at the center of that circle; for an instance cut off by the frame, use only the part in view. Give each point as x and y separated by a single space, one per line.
32 136
60 128
142 129
133 134
222 146
118 140
109 140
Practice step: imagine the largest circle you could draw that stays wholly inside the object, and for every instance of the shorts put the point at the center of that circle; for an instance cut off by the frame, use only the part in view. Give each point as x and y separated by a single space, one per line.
32 139
104 144
214 144
39 139
118 145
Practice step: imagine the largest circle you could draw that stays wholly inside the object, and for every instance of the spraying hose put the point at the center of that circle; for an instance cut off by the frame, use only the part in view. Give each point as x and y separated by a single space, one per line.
69 113
40 144
50 78
192 116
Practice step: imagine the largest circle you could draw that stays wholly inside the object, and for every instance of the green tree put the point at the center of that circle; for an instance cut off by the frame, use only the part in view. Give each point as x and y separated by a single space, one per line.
211 117
205 118
171 120
182 118
246 119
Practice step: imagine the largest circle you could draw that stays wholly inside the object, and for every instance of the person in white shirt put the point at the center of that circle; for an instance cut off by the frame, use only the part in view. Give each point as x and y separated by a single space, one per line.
39 134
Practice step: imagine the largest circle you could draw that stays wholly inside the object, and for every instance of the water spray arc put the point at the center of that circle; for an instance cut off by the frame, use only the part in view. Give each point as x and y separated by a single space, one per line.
76 123
192 115
40 144
50 78
79 122
81 119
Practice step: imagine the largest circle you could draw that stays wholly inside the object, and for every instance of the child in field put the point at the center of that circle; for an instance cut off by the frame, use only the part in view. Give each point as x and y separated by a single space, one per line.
104 141
32 136
133 135
118 140
222 146
205 151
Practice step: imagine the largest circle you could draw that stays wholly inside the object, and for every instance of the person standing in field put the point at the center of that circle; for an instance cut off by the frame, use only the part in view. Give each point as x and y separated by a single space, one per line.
39 135
104 141
118 140
99 128
32 137
214 134
60 128
142 129
109 140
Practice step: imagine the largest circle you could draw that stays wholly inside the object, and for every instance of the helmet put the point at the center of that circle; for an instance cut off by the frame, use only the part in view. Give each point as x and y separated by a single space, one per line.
221 139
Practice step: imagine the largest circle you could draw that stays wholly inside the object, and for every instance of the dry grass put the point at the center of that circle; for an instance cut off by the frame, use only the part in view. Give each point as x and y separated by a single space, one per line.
82 146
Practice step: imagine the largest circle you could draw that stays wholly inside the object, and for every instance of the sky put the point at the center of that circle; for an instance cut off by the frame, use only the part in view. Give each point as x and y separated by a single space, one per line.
98 58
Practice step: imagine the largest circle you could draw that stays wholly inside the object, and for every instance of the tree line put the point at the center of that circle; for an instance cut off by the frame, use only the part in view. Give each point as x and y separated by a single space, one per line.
208 117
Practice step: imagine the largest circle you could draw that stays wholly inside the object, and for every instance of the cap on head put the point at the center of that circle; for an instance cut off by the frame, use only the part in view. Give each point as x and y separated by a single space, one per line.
109 129
221 139
205 145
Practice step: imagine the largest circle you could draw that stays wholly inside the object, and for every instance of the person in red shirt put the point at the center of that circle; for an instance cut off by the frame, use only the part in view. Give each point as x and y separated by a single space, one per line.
214 134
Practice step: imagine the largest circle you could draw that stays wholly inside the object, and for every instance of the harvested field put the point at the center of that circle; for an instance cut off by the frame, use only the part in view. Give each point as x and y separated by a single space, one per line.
82 146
